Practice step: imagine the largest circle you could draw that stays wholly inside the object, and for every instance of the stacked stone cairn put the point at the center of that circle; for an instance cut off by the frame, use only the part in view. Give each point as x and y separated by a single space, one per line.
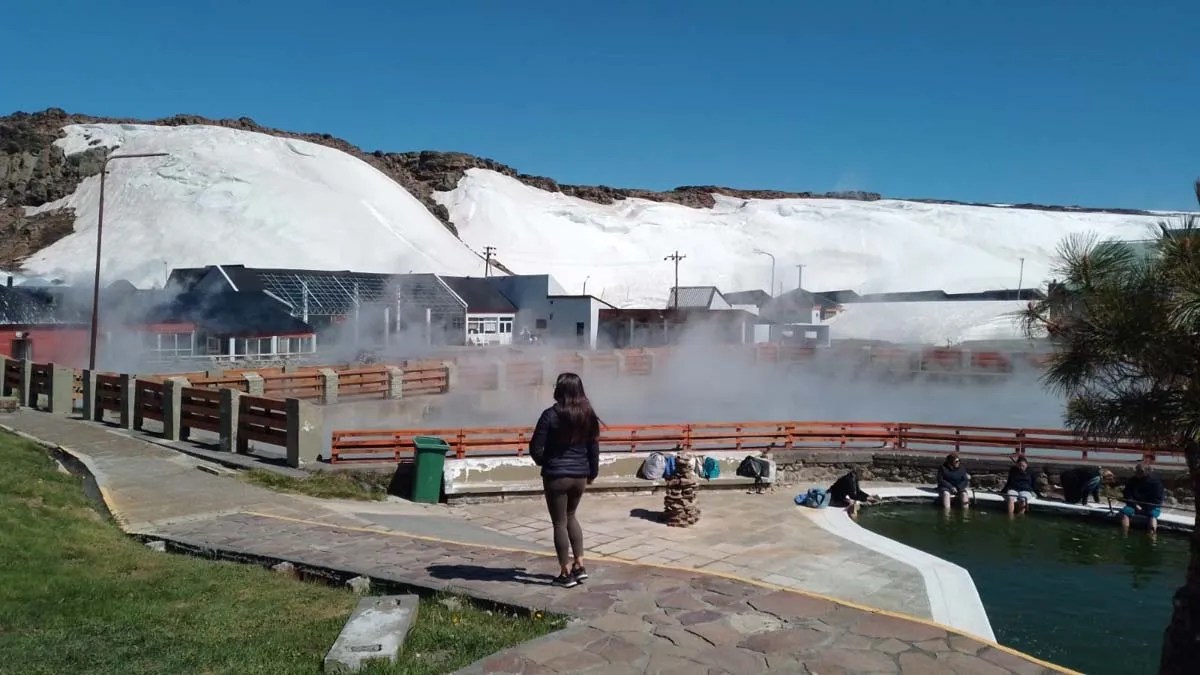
679 504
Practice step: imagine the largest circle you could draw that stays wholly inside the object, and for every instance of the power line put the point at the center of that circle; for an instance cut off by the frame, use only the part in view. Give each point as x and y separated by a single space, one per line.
676 258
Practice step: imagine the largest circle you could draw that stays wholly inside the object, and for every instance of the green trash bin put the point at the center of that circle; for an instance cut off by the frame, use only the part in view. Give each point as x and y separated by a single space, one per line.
427 472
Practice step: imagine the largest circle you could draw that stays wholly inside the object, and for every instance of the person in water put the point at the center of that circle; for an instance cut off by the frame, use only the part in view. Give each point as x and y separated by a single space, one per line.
1018 490
1144 495
848 494
1082 482
953 481
566 445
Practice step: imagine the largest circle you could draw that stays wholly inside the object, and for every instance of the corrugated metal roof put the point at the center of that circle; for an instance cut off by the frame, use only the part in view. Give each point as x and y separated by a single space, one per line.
692 296
36 307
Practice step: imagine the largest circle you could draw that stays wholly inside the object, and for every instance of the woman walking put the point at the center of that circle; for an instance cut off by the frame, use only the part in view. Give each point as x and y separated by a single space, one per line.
566 445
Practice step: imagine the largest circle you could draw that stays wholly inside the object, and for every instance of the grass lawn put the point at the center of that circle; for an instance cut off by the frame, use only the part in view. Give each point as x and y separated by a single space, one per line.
362 485
78 596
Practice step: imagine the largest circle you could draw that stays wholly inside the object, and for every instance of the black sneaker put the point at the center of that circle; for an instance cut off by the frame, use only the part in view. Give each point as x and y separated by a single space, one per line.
565 581
579 573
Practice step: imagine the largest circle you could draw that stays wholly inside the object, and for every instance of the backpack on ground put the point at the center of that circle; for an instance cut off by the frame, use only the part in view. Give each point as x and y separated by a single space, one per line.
756 468
709 468
816 498
669 467
654 466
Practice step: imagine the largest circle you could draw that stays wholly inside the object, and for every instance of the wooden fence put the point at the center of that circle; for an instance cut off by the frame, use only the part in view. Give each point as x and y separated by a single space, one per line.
110 395
396 444
263 420
147 402
199 408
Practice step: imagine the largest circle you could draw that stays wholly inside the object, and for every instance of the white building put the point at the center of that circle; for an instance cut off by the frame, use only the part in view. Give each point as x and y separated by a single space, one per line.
546 313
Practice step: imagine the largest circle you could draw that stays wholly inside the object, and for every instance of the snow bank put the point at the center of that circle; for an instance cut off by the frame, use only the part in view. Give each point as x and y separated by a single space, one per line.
230 196
880 246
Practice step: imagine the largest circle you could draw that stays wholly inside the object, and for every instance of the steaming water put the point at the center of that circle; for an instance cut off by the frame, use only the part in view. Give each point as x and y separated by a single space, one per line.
1076 593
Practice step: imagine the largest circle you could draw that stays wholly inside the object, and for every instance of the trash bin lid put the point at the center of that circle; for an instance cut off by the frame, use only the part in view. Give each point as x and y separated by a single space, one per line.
430 443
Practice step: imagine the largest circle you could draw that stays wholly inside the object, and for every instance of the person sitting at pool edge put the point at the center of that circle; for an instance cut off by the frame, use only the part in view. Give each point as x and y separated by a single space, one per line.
846 492
953 481
1084 481
1018 490
1144 494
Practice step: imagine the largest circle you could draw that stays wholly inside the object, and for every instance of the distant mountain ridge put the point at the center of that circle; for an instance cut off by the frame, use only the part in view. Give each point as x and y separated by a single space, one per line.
33 172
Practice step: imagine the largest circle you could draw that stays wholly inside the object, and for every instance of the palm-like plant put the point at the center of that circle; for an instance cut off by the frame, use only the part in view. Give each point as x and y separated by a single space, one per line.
1125 322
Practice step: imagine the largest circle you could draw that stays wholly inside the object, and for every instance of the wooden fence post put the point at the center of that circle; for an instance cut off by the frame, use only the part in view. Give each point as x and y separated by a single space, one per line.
229 420
305 432
173 407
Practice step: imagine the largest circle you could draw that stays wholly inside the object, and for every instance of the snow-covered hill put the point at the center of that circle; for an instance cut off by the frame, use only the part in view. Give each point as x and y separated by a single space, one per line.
230 196
879 246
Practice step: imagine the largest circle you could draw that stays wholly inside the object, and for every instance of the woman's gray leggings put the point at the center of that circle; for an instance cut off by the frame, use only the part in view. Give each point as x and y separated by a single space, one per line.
562 498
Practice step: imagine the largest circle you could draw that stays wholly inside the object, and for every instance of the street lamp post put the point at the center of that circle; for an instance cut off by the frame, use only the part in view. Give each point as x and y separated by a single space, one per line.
771 290
99 234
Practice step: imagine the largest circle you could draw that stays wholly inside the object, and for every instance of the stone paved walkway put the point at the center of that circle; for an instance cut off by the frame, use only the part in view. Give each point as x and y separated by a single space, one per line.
630 617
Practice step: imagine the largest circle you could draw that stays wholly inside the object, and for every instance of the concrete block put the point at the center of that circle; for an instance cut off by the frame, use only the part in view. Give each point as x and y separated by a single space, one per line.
89 396
128 404
395 382
214 373
172 407
621 362
26 396
329 386
61 397
254 384
289 368
305 432
229 421
376 630
8 404
549 371
451 376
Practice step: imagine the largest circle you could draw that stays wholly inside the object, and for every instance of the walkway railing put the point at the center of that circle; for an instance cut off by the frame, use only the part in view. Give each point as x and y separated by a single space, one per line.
375 445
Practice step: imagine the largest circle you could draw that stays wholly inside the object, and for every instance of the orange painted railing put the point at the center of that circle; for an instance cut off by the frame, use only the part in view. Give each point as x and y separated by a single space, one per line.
904 437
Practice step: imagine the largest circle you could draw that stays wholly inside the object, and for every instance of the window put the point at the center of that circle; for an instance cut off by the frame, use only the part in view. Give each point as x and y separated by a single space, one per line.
456 323
169 345
541 324
580 327
214 346
491 326
506 325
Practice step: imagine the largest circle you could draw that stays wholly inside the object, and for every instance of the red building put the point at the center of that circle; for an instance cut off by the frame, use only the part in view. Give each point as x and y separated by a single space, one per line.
33 327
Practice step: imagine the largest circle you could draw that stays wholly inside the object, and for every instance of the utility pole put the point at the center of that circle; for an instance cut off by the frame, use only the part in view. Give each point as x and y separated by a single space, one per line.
99 237
800 277
1021 279
676 258
488 252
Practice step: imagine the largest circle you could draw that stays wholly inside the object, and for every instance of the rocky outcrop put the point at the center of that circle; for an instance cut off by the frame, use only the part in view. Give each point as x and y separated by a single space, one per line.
33 171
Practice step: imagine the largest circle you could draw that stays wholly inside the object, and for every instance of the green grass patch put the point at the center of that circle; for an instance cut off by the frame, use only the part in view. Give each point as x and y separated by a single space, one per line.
78 596
361 485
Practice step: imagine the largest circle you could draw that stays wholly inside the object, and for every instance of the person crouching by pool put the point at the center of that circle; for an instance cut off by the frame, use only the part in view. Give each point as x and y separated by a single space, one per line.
848 494
953 481
1144 494
1082 482
566 444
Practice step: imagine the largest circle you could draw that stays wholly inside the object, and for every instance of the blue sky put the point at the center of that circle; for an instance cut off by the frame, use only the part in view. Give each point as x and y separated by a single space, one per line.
1091 102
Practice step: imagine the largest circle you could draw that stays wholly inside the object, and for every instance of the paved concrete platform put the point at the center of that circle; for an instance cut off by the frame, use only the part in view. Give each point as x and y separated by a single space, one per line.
630 617
756 536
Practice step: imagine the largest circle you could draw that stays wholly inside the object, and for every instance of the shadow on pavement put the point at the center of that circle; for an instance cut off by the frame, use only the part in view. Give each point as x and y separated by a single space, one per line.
481 573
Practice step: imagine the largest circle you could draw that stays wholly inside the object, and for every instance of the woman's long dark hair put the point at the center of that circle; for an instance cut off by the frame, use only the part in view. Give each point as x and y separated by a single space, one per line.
579 421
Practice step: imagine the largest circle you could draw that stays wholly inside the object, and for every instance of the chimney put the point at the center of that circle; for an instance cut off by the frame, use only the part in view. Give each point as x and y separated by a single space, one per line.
9 281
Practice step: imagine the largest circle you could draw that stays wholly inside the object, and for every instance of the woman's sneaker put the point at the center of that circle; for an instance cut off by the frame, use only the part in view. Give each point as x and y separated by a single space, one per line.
565 581
579 573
